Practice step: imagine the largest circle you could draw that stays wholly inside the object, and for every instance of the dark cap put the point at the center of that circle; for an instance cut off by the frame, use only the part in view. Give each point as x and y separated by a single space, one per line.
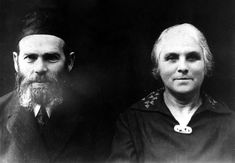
44 21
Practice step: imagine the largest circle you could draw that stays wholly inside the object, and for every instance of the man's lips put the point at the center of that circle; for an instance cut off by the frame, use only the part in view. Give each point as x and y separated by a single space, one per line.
40 81
40 85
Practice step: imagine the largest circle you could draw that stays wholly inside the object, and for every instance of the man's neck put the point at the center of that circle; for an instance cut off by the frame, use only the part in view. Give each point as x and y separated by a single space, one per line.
37 107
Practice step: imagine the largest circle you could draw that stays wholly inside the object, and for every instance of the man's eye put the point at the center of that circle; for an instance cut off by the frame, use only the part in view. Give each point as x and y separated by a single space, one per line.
172 57
194 56
30 58
51 58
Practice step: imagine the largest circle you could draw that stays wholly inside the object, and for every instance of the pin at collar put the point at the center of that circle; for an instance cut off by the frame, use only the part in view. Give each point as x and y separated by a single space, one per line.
183 129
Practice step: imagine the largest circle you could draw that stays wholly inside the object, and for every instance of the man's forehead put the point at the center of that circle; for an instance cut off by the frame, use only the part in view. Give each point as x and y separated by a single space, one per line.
41 42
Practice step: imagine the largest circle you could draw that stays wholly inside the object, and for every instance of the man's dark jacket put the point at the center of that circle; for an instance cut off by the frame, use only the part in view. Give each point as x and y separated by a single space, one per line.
70 136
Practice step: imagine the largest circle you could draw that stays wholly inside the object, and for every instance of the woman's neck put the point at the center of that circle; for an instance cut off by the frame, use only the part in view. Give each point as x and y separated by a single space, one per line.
181 101
182 106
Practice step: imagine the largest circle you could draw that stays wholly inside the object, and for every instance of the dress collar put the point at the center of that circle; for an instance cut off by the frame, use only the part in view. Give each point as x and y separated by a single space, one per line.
154 102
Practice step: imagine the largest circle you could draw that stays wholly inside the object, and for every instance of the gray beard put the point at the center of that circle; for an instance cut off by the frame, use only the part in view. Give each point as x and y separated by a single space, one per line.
48 94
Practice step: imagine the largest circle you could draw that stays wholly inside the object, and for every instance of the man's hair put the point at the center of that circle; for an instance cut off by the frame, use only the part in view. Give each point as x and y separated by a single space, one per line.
44 21
191 31
49 21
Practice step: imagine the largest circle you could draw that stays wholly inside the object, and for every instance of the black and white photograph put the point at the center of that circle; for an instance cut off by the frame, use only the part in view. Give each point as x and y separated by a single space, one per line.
104 81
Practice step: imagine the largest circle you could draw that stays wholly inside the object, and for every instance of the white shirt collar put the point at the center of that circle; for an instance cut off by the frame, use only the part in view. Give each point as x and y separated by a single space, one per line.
37 108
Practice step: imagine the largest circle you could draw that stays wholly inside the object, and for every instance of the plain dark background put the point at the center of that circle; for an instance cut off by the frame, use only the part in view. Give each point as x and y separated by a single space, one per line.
113 40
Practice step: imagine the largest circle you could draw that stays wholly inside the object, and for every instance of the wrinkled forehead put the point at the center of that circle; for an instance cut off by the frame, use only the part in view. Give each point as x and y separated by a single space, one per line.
41 43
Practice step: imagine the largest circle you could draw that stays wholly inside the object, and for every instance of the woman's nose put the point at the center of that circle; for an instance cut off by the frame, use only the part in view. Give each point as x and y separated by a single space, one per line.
40 67
182 66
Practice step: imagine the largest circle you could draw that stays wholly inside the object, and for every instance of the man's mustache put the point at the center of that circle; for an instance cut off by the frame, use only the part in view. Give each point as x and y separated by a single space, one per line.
39 80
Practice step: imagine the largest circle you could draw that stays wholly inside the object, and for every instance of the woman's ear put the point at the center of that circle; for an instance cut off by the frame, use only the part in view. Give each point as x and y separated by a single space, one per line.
15 59
155 73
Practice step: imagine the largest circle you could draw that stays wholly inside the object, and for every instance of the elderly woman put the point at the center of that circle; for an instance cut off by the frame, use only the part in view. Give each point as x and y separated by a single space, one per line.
178 123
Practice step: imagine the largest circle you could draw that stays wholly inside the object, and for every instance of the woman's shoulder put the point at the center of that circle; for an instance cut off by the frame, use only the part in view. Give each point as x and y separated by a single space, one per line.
216 105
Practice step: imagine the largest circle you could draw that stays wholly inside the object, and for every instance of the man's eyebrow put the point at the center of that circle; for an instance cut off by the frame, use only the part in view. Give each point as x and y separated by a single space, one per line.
30 53
26 54
52 53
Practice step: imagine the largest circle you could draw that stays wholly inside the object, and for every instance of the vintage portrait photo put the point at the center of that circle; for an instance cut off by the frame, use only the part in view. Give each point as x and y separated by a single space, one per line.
117 81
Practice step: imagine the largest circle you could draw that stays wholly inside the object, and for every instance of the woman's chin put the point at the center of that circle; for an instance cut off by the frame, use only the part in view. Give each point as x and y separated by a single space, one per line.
184 90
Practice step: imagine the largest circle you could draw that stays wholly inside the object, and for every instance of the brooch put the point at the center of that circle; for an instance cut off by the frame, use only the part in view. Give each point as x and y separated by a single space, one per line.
183 129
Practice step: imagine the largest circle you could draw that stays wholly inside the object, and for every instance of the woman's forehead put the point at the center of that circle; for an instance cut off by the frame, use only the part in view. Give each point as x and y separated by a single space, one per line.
178 43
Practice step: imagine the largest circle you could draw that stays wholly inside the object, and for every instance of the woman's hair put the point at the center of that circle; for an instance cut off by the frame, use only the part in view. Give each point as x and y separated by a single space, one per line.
191 31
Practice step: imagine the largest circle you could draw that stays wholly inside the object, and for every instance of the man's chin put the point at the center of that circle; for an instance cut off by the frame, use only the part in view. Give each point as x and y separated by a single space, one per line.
39 94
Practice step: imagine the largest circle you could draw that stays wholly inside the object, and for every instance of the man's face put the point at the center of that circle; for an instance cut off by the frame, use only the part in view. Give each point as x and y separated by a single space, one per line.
181 63
40 66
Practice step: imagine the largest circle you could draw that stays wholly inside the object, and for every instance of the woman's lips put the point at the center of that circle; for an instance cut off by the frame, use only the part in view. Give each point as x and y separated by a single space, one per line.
183 79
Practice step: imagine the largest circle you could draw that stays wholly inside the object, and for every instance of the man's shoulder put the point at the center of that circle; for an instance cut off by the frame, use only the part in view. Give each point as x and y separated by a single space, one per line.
6 99
5 102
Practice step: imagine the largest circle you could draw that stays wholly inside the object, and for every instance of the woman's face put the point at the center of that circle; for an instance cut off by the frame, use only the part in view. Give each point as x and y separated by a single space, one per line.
181 64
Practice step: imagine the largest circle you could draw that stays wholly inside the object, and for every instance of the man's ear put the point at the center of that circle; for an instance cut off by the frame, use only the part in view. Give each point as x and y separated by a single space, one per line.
71 59
15 59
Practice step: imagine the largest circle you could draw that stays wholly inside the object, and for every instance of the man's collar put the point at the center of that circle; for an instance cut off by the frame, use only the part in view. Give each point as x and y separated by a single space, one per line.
38 107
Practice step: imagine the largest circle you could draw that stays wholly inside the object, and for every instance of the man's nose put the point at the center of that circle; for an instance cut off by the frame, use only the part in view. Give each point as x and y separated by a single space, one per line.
182 66
40 67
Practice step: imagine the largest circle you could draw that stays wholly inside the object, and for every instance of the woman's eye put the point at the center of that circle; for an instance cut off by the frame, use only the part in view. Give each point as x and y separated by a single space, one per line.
194 56
172 57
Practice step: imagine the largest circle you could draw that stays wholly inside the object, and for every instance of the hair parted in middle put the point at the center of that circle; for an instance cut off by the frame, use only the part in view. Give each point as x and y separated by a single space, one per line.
186 29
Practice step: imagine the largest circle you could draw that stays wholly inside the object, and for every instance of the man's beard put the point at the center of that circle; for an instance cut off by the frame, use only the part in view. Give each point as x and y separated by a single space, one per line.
39 90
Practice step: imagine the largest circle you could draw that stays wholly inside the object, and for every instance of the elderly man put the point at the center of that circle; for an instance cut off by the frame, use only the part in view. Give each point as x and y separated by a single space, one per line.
43 120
